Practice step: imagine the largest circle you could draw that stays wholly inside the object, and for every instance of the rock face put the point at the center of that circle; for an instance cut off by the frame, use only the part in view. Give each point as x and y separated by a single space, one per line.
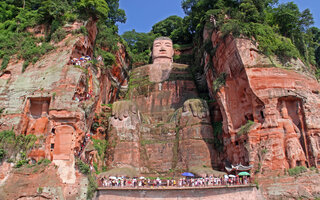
270 114
305 186
41 183
56 101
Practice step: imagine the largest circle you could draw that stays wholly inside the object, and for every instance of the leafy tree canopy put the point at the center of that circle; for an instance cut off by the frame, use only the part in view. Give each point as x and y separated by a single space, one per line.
139 45
269 22
174 28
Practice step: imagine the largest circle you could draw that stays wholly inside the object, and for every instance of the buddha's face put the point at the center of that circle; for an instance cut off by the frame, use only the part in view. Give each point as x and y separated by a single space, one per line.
162 49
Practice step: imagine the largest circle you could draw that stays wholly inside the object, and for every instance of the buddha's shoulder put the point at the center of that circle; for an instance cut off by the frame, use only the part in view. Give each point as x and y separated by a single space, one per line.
142 70
179 66
180 72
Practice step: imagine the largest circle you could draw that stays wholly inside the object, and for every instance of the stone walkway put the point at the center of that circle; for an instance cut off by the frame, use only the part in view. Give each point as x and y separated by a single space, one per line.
176 188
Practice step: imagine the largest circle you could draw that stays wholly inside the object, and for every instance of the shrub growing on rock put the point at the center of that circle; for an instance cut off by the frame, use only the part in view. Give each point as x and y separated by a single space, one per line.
297 170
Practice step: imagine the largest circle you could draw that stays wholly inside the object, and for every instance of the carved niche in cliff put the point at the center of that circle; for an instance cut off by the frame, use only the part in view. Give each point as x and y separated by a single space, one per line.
63 142
293 125
314 148
60 129
35 120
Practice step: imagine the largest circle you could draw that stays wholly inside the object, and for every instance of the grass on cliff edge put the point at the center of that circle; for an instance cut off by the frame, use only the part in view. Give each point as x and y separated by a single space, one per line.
297 170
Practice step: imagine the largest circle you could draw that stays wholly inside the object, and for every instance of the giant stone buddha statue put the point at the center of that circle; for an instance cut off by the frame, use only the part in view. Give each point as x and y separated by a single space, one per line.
163 125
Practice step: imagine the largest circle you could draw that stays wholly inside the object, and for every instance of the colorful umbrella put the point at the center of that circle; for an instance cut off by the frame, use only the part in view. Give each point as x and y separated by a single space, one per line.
244 174
187 174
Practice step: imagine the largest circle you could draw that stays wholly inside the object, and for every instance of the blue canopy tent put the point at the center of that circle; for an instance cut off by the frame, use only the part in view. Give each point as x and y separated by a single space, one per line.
188 174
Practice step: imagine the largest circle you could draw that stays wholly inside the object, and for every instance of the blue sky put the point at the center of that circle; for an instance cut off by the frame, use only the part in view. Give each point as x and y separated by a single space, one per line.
143 14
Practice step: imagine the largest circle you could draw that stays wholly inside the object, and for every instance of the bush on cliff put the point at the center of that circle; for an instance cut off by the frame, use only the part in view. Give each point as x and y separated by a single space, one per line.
297 170
83 167
92 186
14 144
5 62
59 35
245 128
219 82
2 154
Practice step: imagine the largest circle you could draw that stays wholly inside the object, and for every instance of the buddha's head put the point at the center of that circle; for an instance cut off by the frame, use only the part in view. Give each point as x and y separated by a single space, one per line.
162 51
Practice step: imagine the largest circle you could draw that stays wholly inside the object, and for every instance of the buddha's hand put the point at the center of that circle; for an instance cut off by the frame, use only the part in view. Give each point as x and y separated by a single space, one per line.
122 109
198 107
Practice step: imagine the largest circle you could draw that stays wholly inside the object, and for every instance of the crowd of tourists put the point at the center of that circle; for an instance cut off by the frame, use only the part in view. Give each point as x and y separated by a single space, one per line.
80 61
82 96
113 181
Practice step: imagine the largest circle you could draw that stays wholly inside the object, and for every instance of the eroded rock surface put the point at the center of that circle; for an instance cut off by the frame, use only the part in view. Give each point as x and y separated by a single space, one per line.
56 101
282 105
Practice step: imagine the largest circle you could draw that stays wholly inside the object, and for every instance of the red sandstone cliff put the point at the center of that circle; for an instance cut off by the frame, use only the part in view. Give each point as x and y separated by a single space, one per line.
282 102
56 101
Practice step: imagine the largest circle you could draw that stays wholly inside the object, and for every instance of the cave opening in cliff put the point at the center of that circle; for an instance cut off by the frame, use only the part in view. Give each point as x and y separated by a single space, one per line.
298 163
39 106
5 75
262 114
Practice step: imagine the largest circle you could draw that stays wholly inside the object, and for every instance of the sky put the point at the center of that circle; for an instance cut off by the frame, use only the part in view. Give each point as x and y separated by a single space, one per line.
143 14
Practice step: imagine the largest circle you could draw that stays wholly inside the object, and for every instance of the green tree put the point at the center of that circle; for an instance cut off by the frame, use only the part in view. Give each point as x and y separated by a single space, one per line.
54 9
138 42
313 45
287 18
139 45
8 11
293 24
249 11
174 28
167 26
93 8
115 14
